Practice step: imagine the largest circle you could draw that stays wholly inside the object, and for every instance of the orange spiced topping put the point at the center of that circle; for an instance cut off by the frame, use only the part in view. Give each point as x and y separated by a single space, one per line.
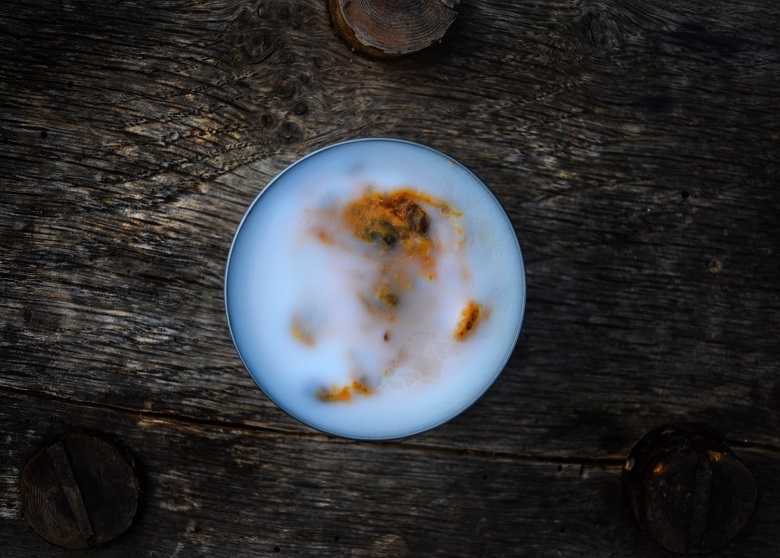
344 394
469 317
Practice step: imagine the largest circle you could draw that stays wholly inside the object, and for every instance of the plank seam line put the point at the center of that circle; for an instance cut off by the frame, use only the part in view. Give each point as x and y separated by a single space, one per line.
592 462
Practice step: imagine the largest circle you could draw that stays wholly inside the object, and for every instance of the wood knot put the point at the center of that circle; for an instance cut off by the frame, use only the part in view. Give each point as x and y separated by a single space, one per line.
715 266
290 132
601 31
384 29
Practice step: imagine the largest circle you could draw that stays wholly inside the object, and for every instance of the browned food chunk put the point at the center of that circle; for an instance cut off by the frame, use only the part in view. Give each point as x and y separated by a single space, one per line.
414 215
388 219
361 388
335 395
344 394
387 296
469 317
398 223
301 333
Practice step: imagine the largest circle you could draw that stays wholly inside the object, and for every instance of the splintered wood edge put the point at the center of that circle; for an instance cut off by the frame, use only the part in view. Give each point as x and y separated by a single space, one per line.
391 30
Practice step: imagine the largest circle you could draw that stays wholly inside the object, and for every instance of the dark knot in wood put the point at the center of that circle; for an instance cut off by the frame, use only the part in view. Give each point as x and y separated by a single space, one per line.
602 31
391 29
687 489
81 490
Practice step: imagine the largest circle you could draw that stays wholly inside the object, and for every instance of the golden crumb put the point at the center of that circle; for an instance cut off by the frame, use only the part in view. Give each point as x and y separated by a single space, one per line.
469 317
388 219
335 395
395 220
344 394
361 388
387 296
300 333
324 237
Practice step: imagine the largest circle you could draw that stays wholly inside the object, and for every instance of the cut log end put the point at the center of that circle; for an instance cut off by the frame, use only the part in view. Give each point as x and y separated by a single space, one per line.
382 29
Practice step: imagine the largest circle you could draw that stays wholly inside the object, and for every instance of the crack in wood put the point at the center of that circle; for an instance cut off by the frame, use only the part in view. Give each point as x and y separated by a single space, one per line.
171 420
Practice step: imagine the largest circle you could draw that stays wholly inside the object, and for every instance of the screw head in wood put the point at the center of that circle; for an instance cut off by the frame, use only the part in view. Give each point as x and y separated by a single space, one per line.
80 490
687 489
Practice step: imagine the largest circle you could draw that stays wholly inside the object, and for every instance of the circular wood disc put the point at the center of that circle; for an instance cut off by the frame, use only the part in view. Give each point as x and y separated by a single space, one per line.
81 490
392 28
687 489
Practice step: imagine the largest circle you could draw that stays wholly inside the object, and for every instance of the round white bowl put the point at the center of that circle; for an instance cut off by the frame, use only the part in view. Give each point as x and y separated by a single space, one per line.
262 282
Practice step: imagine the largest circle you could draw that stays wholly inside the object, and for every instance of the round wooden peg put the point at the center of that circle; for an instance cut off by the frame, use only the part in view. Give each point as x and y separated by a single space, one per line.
687 489
81 490
392 28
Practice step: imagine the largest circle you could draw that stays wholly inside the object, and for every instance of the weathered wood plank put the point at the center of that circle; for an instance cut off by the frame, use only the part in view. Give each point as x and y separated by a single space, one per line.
638 168
221 491
635 145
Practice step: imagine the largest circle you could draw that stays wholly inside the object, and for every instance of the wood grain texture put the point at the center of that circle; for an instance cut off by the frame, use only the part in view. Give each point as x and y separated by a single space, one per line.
635 146
228 491
80 490
391 29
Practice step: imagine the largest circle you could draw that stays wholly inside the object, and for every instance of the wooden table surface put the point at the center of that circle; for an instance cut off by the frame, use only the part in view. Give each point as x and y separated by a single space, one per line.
634 144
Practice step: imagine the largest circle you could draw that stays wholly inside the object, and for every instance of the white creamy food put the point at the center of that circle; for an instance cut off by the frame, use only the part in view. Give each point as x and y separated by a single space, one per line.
375 289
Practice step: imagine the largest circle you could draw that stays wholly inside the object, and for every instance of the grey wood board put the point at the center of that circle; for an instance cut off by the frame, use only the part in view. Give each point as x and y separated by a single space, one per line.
634 145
